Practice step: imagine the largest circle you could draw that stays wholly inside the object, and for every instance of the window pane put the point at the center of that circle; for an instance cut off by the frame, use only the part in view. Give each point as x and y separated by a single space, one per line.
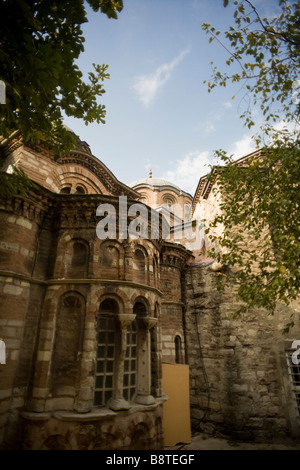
99 381
101 352
98 398
108 382
110 337
129 379
294 373
101 337
105 360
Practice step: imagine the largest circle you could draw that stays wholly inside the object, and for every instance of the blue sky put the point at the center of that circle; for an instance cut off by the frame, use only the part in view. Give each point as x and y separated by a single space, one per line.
159 112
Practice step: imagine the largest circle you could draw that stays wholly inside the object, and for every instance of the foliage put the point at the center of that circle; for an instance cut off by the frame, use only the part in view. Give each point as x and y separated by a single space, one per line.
260 194
260 215
40 41
266 53
15 182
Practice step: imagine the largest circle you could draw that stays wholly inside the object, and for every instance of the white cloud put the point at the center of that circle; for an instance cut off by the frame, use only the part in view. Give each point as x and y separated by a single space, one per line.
242 147
147 86
228 104
186 173
209 128
291 127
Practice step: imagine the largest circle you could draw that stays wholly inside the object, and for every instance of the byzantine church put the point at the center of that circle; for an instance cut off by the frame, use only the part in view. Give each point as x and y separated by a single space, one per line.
99 334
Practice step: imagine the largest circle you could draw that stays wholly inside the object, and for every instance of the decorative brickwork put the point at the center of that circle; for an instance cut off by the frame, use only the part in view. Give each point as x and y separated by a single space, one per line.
87 321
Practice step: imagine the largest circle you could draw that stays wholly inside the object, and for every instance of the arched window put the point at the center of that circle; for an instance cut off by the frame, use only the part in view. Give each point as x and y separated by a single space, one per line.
139 266
78 260
2 352
109 261
80 189
178 350
168 203
155 270
65 190
123 356
130 363
107 336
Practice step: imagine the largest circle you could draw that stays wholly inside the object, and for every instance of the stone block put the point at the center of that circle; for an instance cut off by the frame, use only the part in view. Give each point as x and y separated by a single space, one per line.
239 388
12 290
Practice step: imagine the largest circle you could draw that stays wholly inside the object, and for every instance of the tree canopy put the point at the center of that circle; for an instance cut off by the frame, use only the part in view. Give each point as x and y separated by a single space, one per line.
260 195
265 54
40 41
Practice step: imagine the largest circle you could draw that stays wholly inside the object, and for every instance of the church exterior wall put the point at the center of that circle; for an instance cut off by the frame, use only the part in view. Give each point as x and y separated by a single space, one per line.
55 276
240 385
139 429
63 288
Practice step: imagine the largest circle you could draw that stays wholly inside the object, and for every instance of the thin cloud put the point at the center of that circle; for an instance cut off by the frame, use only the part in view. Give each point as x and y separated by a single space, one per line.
186 172
210 128
242 147
147 86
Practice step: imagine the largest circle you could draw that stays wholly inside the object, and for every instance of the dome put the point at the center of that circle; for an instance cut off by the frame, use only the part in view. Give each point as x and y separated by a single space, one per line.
153 183
157 184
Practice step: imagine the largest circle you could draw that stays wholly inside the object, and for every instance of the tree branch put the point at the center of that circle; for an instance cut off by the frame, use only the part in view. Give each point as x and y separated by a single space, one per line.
270 31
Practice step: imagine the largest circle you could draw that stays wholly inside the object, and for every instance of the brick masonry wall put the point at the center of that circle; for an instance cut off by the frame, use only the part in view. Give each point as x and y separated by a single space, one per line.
171 321
35 259
238 371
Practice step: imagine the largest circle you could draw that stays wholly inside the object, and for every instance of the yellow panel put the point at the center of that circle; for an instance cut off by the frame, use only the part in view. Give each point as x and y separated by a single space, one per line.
177 425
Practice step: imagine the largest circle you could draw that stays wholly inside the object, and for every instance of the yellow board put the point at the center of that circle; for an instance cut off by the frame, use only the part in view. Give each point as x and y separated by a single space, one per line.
176 411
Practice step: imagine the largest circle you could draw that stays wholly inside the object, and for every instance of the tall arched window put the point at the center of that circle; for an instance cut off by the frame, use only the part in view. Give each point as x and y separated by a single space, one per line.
130 363
178 350
109 261
78 260
123 356
107 339
155 270
139 266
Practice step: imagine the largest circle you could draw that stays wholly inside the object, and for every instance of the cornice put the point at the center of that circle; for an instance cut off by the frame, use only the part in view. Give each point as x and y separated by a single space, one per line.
174 254
60 282
100 170
207 181
10 144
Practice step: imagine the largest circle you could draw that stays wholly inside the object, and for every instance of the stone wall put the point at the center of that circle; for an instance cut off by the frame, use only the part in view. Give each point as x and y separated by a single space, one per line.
174 259
139 429
239 379
53 279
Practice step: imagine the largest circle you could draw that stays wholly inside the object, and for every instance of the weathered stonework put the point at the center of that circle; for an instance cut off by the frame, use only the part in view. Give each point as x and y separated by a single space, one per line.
239 378
88 322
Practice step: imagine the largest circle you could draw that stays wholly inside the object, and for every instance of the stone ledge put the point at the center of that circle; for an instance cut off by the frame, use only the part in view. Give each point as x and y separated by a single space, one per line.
93 415
11 275
35 416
